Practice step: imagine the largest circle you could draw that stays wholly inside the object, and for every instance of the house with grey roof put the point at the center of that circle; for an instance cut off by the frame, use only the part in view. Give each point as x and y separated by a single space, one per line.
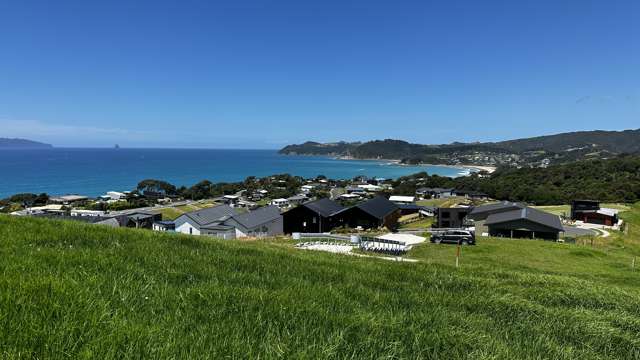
225 222
480 213
206 222
262 222
524 223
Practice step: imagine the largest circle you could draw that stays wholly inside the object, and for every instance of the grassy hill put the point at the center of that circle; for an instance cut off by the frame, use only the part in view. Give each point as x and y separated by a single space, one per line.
71 290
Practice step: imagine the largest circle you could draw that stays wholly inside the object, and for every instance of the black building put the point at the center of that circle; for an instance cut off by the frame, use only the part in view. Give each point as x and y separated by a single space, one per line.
370 214
452 217
524 223
589 211
311 217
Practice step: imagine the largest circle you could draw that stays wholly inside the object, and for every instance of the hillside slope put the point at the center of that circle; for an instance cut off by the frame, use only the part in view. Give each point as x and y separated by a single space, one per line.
559 148
6 143
72 290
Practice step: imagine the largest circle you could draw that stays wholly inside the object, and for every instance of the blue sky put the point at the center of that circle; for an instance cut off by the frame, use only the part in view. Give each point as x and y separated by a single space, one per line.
262 74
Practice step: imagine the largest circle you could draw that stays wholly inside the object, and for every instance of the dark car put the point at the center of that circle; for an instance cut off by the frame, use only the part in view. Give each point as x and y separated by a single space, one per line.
464 237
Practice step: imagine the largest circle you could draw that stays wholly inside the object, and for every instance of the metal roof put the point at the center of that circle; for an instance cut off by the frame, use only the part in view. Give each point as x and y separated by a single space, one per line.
257 217
526 213
210 215
495 207
378 207
324 207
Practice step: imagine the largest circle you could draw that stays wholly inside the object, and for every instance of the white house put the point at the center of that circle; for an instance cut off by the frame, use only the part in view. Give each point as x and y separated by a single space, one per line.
402 200
281 203
116 195
87 213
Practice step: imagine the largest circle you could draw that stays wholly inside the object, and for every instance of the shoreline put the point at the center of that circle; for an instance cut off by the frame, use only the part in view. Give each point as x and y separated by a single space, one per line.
487 168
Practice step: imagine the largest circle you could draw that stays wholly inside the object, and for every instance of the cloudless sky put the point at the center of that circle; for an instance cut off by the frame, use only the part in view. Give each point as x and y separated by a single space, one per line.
262 74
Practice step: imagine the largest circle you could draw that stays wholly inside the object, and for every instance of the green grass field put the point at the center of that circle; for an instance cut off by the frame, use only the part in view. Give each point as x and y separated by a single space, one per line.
70 290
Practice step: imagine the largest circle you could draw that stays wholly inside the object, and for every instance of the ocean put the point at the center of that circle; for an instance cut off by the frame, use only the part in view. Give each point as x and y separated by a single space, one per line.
93 172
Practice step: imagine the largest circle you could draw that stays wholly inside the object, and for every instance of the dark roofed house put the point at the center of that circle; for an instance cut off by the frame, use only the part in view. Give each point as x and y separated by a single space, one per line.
589 211
452 217
479 214
374 213
311 217
264 221
524 223
434 193
470 194
206 222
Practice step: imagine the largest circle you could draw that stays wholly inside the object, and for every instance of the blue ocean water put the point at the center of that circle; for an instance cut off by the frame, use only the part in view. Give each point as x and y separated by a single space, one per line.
92 172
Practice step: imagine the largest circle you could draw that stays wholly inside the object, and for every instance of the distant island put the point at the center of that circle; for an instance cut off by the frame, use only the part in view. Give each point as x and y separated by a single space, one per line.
6 143
537 151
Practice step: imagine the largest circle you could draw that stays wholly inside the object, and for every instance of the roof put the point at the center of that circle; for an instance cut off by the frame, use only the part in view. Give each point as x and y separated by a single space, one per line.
378 207
297 197
608 212
527 213
209 215
324 207
416 207
495 207
69 198
257 217
402 198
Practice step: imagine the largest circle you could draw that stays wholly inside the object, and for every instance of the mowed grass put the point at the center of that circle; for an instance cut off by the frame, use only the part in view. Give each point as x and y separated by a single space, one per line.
71 290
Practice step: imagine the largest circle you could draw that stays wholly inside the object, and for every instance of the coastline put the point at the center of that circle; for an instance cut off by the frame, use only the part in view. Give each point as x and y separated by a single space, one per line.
475 168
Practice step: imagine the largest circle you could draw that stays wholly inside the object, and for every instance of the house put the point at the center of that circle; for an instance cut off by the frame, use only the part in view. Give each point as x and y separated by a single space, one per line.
297 199
452 217
402 200
348 196
589 211
78 212
140 220
356 190
206 222
371 214
479 214
307 188
470 194
164 226
68 199
417 209
281 203
370 187
262 222
524 223
231 200
434 193
311 217
116 195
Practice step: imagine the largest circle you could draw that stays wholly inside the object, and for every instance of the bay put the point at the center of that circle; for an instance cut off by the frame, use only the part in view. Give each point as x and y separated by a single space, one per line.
93 172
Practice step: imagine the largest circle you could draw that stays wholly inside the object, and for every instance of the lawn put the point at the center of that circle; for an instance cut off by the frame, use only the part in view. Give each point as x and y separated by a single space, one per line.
71 290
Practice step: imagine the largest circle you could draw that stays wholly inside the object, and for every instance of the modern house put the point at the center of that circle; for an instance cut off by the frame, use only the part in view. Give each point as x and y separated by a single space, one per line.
452 217
402 200
206 222
434 193
417 209
470 194
589 211
371 214
356 190
262 222
524 223
311 217
225 222
479 214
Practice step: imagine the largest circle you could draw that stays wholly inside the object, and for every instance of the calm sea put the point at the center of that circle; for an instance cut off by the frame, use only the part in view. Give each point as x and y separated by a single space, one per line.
92 172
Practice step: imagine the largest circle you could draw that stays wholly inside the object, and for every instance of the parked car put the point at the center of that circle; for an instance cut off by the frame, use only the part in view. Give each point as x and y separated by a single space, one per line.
463 237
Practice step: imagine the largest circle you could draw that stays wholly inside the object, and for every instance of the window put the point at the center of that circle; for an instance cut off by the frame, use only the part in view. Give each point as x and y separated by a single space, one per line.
190 231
